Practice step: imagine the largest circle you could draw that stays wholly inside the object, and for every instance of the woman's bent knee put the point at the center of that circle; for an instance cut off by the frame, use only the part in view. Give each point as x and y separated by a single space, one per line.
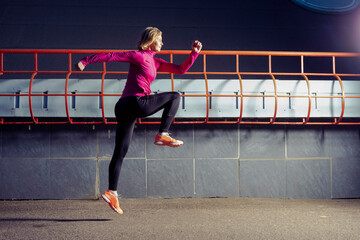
176 95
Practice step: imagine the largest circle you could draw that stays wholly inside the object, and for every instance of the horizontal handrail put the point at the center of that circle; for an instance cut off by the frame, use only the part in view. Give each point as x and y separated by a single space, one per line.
184 52
205 73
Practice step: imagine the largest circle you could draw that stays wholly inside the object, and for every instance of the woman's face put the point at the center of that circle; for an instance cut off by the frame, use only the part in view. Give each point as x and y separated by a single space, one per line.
157 44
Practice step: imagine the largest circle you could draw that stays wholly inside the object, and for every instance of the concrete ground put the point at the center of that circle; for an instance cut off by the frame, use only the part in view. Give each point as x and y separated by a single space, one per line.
182 218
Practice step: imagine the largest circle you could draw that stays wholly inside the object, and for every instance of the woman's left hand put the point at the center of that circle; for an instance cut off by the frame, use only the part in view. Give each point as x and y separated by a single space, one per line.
196 46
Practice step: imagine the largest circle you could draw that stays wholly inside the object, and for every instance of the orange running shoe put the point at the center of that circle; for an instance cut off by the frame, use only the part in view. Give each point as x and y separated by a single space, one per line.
112 200
166 140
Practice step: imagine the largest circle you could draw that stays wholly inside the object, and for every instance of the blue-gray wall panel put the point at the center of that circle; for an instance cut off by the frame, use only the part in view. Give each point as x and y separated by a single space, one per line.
73 141
106 140
24 178
262 142
346 177
262 178
104 175
342 141
170 171
305 142
132 182
19 141
308 178
177 131
216 141
217 178
1 140
72 178
170 178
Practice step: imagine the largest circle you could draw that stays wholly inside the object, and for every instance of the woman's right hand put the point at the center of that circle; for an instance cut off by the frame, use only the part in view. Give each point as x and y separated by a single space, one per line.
196 46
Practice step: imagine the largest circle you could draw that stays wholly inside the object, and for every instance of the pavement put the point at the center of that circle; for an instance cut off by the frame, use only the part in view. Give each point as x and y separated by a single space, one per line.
182 218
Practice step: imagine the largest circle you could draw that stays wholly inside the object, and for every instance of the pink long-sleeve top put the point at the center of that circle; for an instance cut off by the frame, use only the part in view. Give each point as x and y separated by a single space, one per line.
143 68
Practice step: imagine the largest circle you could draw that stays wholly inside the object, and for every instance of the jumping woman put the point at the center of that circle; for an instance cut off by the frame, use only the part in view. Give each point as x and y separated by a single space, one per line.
137 100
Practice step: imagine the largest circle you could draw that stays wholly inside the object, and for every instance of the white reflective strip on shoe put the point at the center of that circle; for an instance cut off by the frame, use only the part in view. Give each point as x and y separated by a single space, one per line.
105 198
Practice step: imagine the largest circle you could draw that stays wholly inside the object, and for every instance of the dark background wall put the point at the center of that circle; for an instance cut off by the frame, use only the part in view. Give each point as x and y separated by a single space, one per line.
221 25
66 161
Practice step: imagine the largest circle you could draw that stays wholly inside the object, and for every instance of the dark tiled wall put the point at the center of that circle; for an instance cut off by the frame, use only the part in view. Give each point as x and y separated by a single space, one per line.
71 162
260 25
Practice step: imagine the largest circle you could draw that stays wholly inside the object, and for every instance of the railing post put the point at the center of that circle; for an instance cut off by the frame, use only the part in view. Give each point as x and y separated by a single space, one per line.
241 89
302 64
102 93
270 66
66 91
342 91
1 63
171 74
272 120
206 89
309 97
30 87
342 100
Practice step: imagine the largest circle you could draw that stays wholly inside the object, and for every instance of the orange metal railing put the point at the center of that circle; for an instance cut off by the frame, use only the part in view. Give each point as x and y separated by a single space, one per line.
205 73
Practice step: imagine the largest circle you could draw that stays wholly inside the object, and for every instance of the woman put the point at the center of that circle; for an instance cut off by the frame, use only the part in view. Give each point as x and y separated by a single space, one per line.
136 101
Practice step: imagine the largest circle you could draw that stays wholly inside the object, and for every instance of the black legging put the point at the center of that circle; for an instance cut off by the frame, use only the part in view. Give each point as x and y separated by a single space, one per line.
127 110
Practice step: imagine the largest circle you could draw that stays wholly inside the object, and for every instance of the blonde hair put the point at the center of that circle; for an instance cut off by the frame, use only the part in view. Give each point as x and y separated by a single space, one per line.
148 37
